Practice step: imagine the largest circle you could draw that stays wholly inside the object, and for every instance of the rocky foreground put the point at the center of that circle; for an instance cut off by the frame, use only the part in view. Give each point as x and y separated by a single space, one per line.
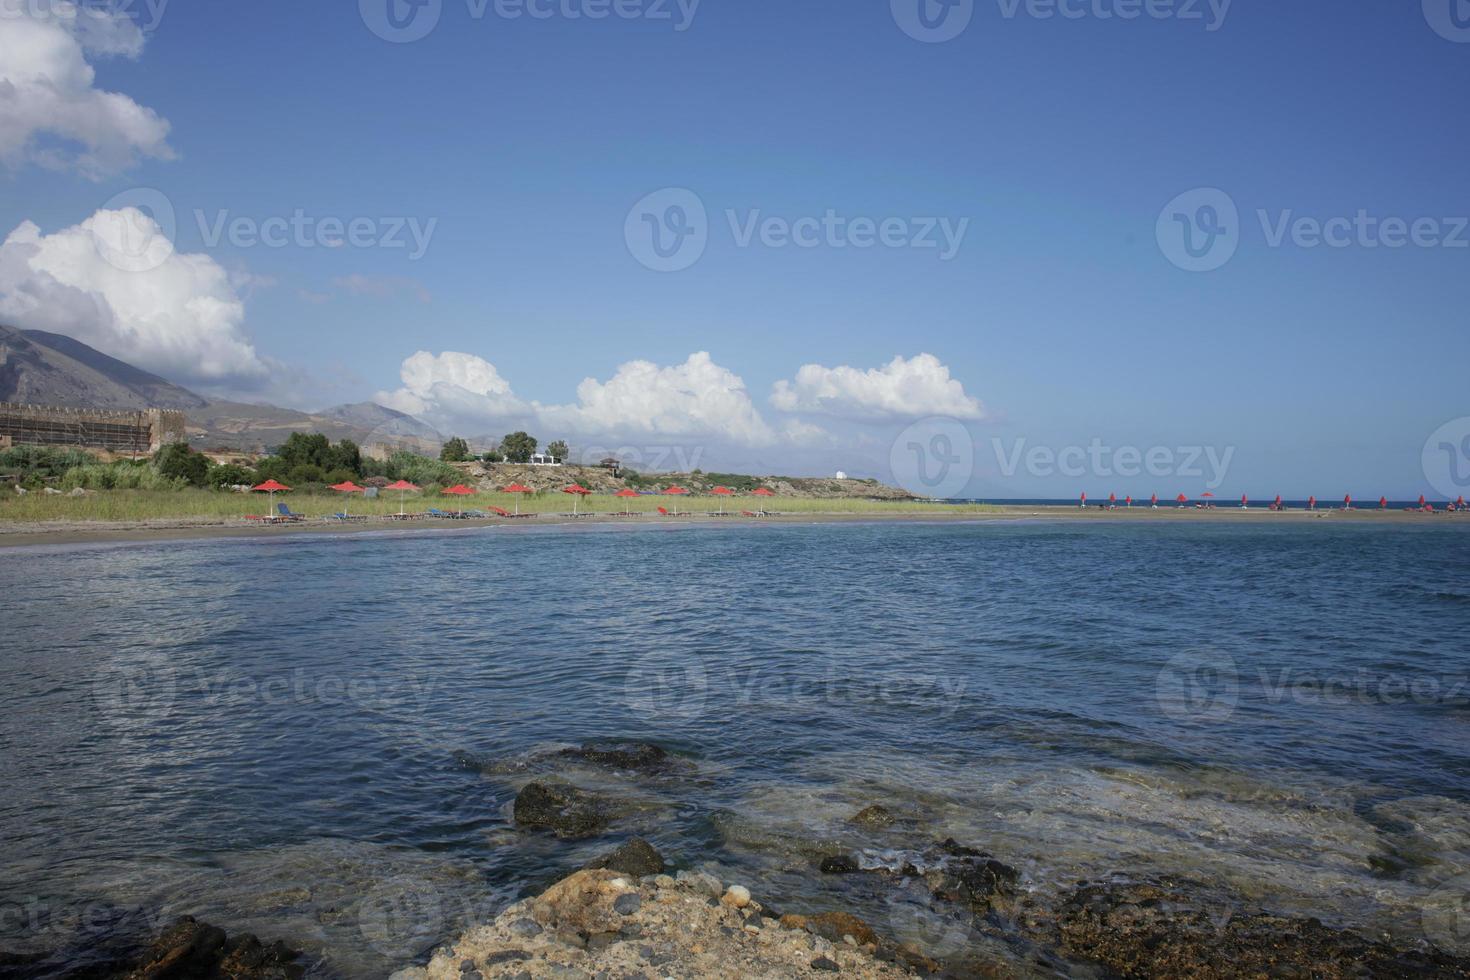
604 923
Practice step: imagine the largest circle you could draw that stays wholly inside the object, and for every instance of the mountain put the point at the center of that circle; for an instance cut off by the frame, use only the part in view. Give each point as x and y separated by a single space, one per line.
41 368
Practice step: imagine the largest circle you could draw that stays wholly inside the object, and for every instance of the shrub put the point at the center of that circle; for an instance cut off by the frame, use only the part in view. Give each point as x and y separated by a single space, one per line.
178 462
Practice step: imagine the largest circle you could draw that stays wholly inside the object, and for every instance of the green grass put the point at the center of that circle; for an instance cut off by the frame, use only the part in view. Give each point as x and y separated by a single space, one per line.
158 505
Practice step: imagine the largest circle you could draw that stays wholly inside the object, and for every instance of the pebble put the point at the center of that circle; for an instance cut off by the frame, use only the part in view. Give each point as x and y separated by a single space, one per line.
822 963
738 896
526 928
627 904
705 884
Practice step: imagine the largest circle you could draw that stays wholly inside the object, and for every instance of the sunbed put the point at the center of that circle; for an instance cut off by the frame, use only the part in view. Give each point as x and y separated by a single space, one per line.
287 515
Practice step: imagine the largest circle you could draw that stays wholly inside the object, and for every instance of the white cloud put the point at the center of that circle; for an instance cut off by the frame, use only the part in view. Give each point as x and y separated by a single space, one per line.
51 111
174 314
453 388
902 389
698 397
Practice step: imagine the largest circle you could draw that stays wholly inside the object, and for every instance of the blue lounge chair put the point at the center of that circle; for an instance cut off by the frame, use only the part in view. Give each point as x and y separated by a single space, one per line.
287 515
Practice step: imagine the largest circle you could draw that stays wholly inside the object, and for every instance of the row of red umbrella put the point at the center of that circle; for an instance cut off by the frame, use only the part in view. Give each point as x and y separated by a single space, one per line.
578 491
1347 501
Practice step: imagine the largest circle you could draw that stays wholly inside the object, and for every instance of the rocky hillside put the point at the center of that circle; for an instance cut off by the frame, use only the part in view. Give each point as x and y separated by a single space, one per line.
40 368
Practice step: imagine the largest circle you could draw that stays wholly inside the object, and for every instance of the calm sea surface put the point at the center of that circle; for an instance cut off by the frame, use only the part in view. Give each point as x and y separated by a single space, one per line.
318 739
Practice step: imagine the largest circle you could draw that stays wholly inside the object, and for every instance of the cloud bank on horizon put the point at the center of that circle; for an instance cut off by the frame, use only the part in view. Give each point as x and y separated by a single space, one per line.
698 398
51 113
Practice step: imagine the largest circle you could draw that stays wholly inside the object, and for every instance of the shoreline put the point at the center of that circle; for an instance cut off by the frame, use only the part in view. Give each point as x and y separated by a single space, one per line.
20 534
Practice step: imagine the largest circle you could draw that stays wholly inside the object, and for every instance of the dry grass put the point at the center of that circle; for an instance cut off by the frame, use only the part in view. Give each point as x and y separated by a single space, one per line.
155 505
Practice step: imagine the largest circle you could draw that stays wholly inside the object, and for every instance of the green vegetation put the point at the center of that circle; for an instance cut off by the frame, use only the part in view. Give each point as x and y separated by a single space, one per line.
456 450
559 450
518 447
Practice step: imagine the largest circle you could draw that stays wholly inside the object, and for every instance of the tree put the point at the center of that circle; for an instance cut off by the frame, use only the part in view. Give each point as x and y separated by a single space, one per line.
560 450
518 447
456 450
231 475
493 456
177 461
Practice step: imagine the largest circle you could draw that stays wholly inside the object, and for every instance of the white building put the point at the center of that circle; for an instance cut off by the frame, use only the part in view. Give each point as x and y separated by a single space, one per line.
544 459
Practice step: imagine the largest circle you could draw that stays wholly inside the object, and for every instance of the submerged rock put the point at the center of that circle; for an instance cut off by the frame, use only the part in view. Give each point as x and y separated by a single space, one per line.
875 817
565 810
637 858
192 949
642 757
1143 929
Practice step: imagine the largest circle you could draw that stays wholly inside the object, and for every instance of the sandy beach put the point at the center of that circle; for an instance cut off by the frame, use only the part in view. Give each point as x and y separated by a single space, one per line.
16 534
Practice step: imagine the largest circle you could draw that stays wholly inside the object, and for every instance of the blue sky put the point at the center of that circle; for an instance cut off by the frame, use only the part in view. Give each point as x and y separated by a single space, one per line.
1058 140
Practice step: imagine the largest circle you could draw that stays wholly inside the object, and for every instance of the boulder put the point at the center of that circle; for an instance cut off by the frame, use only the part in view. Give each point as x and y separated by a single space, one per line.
641 757
875 817
637 858
565 810
192 949
585 903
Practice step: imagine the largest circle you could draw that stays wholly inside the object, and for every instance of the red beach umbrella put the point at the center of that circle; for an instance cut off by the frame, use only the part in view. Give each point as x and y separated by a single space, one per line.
675 491
578 491
762 492
1460 501
1084 501
1181 500
1347 502
458 490
1128 501
346 486
1277 505
626 492
1207 497
1112 500
402 486
1383 503
518 488
1154 501
271 486
723 492
1311 503
1244 501
1421 500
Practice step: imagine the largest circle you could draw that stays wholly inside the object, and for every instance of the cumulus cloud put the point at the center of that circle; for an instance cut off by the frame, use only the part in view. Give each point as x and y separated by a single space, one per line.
698 397
451 388
51 111
902 389
115 282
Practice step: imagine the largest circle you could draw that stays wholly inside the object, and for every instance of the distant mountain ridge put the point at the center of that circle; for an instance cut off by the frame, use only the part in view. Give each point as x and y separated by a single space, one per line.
41 368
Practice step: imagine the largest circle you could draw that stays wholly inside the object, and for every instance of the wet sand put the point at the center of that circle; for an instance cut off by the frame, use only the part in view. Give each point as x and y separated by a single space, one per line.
14 534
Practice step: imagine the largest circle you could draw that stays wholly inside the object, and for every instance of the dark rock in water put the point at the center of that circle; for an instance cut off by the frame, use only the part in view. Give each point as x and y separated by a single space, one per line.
191 949
972 877
633 756
1140 929
565 810
875 817
839 864
627 904
637 857
822 963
